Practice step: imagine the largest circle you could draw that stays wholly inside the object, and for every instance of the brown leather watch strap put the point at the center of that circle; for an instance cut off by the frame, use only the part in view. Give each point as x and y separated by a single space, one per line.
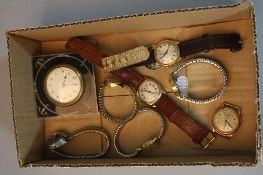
133 79
176 115
128 76
208 42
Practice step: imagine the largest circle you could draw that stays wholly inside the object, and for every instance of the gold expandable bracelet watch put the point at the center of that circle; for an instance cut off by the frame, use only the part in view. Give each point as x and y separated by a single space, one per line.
182 96
147 144
58 139
115 83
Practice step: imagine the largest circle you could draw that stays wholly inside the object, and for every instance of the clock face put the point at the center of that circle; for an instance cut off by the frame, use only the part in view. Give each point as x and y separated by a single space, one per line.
149 91
167 52
64 85
226 120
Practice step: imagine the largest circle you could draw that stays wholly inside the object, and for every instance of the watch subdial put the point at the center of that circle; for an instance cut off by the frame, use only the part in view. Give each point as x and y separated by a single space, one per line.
149 91
167 52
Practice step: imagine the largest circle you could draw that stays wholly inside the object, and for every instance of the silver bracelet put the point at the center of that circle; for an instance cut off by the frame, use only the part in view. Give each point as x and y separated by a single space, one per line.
199 101
115 83
58 139
144 146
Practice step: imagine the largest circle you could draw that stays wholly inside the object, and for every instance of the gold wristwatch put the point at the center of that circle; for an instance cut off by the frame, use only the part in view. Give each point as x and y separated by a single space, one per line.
168 52
226 120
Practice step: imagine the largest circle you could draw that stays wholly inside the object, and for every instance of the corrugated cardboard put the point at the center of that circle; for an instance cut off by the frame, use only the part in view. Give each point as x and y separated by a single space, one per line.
114 35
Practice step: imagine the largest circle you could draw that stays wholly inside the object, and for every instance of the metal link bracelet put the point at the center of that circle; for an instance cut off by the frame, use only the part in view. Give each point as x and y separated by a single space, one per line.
147 143
115 83
199 101
58 139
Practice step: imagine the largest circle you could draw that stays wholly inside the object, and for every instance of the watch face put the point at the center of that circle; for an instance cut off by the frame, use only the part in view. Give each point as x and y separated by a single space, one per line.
64 85
167 52
149 91
226 120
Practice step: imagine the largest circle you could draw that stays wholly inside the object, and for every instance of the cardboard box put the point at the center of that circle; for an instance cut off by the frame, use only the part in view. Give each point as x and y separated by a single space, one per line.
117 34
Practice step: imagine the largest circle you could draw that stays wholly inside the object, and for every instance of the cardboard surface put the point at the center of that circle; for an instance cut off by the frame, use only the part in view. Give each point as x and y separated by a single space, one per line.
114 36
204 80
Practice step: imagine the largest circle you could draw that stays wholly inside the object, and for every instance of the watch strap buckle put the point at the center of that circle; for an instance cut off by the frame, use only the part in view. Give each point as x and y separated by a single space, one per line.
207 140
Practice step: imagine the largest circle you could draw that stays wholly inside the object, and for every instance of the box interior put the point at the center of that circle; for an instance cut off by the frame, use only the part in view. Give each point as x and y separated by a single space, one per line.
120 34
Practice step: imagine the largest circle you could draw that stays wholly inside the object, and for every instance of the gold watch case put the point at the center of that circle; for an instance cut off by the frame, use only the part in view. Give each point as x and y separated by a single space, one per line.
226 110
82 85
160 88
170 42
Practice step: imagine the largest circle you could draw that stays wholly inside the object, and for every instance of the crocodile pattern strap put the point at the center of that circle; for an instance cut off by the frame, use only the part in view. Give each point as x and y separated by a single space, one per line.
167 107
128 76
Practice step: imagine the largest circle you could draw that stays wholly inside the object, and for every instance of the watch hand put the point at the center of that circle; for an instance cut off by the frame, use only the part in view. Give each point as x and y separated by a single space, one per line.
148 91
165 52
63 84
229 124
225 124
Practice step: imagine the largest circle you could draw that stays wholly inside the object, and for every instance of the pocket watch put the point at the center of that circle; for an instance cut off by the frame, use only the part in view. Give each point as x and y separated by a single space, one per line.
64 85
62 82
226 120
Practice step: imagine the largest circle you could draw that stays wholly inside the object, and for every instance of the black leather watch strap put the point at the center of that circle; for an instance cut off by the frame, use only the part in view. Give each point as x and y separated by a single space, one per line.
204 43
209 42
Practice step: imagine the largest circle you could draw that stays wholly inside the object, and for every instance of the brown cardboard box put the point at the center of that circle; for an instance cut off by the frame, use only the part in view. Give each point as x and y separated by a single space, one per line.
114 35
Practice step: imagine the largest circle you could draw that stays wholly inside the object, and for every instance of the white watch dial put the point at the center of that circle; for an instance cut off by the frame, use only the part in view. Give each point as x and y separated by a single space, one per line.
226 120
149 91
167 52
64 85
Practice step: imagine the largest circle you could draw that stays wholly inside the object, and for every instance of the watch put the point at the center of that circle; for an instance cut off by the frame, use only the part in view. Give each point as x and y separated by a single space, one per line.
150 92
145 145
168 52
197 60
62 82
226 120
58 139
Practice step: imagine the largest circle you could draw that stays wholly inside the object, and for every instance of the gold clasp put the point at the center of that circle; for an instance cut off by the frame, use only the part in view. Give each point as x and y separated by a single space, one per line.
147 144
206 142
113 82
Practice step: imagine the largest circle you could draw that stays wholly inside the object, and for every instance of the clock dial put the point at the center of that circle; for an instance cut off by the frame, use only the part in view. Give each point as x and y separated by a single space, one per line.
226 120
167 52
149 91
64 85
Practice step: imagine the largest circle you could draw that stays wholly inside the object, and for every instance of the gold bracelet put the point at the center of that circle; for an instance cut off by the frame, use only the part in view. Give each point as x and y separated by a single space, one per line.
144 146
58 139
115 83
181 96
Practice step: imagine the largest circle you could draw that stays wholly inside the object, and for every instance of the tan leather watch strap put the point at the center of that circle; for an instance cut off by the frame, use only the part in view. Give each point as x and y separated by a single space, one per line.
94 55
165 105
176 115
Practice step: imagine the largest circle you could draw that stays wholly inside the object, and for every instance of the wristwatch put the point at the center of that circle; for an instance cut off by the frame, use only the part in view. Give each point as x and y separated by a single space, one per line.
168 52
150 92
226 120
